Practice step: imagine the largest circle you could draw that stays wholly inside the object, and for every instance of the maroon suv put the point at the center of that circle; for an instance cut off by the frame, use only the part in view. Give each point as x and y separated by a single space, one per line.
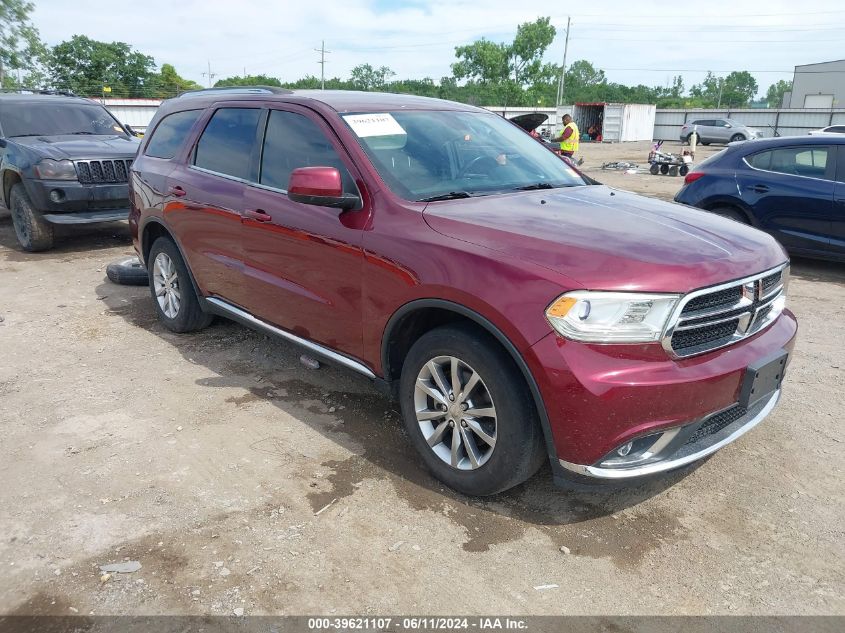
515 310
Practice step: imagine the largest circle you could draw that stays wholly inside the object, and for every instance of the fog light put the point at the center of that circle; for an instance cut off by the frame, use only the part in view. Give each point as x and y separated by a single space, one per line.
57 195
623 450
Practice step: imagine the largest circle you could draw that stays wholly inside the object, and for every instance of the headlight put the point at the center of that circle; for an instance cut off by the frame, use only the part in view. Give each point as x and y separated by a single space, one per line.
49 169
611 317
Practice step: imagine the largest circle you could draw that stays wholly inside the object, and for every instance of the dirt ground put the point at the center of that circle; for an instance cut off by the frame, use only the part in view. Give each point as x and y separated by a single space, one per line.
241 480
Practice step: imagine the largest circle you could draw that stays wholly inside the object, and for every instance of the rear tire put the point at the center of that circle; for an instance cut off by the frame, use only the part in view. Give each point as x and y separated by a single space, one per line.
34 233
173 292
730 212
488 437
684 170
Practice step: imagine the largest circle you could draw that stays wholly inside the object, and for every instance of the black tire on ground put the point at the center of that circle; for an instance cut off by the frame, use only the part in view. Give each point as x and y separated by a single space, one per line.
188 316
673 170
705 142
654 169
664 169
34 233
128 272
684 170
737 137
689 138
730 212
518 450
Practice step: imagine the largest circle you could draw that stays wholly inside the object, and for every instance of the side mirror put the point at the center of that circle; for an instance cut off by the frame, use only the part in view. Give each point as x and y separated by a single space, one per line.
320 186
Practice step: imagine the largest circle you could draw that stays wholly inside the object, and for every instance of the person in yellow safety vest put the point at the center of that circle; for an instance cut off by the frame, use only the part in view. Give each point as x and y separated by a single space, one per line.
569 137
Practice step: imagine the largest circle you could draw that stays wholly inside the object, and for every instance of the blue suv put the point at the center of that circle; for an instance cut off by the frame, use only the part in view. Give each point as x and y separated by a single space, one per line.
791 187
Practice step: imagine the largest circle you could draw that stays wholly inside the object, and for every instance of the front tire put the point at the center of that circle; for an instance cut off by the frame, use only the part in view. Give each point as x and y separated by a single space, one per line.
468 412
34 233
173 292
737 137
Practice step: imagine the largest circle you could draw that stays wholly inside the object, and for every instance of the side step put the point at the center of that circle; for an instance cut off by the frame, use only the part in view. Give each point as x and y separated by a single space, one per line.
226 309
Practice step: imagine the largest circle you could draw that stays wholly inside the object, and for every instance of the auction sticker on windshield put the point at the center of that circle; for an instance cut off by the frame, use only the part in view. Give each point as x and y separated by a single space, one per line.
365 125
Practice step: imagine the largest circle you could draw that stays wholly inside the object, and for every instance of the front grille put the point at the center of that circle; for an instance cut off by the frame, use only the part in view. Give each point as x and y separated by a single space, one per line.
729 313
717 422
720 299
771 281
103 171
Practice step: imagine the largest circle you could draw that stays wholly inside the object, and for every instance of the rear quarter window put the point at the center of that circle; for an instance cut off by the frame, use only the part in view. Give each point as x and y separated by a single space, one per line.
170 133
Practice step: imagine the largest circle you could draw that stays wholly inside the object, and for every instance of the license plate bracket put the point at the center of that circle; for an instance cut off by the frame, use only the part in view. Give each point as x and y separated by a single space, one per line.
763 378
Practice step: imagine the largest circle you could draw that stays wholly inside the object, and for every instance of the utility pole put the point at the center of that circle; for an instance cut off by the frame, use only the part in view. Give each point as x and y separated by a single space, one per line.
2 73
719 104
561 84
322 50
209 74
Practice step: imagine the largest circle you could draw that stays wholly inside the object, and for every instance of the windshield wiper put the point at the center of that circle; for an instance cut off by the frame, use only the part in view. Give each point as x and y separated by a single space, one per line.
539 185
89 133
452 195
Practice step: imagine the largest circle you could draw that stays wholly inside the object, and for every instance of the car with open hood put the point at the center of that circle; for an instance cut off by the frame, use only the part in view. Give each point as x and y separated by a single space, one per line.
63 160
519 315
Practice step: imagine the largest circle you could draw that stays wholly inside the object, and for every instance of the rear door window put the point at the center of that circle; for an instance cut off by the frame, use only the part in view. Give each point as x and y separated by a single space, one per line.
291 141
811 162
225 146
170 133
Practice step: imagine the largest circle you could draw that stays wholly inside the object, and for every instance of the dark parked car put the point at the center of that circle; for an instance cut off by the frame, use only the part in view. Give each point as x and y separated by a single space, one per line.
791 187
517 314
63 160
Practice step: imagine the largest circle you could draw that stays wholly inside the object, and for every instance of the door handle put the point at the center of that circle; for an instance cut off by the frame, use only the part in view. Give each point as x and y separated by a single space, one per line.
176 191
258 215
758 188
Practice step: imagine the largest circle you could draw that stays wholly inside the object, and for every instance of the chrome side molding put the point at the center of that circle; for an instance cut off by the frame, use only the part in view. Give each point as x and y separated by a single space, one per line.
227 309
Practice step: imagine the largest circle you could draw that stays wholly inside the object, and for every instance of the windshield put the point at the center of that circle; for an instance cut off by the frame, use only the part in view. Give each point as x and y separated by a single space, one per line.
426 154
52 119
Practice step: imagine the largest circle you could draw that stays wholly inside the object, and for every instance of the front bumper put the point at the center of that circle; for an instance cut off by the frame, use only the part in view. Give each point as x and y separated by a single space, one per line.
682 446
600 397
55 197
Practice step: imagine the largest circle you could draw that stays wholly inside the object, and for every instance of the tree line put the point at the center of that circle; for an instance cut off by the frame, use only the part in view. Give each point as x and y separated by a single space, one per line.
484 73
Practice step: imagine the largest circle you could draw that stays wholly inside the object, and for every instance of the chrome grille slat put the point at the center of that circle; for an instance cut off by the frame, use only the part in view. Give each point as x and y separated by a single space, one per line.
90 172
722 315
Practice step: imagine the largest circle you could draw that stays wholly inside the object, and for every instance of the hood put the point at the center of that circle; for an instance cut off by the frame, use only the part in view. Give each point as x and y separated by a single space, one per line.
80 146
530 121
607 239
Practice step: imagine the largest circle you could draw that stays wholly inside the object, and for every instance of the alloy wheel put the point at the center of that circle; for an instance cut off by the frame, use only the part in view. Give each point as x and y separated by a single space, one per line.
455 412
166 285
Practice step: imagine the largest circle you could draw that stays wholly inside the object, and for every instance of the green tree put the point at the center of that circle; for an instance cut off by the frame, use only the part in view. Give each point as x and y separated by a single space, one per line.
774 95
84 66
248 80
170 84
365 77
20 45
736 90
507 70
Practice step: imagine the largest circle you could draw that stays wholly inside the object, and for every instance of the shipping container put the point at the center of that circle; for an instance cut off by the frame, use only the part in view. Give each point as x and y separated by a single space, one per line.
614 122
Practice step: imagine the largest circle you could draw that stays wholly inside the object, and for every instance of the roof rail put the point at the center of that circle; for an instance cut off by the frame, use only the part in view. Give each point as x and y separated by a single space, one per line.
38 91
260 90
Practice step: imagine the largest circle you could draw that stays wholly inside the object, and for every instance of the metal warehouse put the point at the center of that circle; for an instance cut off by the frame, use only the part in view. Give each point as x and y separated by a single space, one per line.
819 85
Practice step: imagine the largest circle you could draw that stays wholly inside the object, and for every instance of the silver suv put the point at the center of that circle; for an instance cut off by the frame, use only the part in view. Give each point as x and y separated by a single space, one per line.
718 131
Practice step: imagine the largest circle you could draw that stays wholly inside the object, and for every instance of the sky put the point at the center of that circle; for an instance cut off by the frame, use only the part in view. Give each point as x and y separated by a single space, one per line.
644 42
